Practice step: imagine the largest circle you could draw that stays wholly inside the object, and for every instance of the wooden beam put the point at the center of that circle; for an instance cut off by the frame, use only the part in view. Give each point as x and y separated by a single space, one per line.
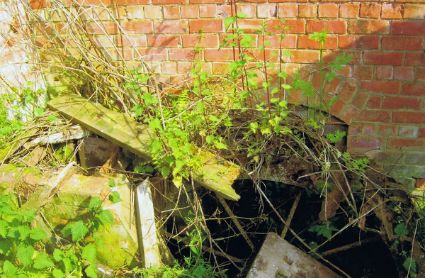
215 173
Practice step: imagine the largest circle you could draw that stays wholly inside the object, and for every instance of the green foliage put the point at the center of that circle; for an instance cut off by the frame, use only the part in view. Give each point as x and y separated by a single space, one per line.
401 230
410 266
194 265
336 136
23 248
325 230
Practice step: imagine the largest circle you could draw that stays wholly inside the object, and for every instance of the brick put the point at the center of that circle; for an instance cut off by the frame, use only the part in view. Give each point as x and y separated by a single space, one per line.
131 2
287 10
288 41
368 26
409 117
408 131
207 11
133 41
163 40
180 54
420 73
134 12
328 10
362 142
401 103
374 116
304 56
171 12
404 73
360 100
405 43
413 28
153 12
415 58
39 4
279 1
386 87
171 26
374 102
293 26
306 42
189 11
266 10
330 26
202 40
413 89
167 2
105 28
384 72
412 11
349 10
219 55
363 72
184 67
105 41
206 1
220 68
205 25
392 11
422 132
169 67
370 10
224 11
246 10
152 54
363 42
416 158
404 142
250 25
138 27
381 58
307 10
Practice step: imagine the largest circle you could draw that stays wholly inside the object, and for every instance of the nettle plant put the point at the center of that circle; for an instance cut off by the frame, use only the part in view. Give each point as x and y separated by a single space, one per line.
27 251
201 114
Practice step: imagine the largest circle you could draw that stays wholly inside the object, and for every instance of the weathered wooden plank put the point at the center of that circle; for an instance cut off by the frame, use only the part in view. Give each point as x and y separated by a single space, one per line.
147 232
215 173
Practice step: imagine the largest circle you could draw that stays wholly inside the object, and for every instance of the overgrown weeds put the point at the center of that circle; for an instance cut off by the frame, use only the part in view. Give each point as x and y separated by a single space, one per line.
244 116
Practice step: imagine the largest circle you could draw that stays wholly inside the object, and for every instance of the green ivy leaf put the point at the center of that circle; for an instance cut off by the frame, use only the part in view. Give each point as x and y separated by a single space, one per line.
58 255
24 254
38 234
89 253
77 230
410 264
9 269
42 261
111 182
57 273
229 21
401 230
91 271
94 204
5 246
105 217
3 228
115 197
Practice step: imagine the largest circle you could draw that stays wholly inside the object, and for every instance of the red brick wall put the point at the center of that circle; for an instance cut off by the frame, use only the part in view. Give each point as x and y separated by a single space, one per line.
382 92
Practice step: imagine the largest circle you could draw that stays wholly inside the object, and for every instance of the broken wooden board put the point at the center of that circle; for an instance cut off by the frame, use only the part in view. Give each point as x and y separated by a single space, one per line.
147 232
279 258
215 173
